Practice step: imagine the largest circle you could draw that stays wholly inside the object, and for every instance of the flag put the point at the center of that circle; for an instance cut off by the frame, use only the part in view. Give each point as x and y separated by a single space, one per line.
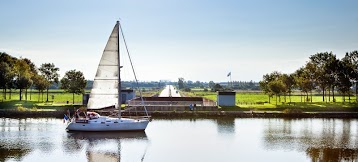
65 118
229 74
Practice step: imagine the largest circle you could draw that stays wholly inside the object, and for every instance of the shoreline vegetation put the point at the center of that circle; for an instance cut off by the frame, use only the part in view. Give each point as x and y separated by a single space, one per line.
324 85
249 104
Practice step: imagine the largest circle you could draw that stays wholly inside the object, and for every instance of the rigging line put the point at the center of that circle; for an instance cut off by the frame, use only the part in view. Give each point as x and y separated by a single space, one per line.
135 76
145 151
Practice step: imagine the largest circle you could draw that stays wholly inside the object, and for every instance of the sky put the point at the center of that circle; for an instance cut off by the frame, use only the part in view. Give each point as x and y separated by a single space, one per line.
193 39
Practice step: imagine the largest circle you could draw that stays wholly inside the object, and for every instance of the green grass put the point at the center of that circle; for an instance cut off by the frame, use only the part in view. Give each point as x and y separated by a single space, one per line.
306 107
244 101
260 101
34 100
58 97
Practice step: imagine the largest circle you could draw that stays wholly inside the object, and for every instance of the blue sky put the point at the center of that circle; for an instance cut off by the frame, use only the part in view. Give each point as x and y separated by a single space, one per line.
193 39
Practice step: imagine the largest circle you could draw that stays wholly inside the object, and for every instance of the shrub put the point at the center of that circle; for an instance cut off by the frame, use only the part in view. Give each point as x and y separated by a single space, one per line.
20 108
292 111
34 108
187 90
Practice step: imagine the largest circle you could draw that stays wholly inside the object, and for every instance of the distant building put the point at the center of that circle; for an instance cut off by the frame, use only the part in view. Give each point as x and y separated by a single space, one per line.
127 94
226 98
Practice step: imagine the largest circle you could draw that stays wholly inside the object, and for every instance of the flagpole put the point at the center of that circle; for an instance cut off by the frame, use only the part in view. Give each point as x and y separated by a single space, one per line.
230 80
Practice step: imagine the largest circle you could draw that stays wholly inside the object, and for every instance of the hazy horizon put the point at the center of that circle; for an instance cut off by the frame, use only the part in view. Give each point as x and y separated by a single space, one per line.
196 40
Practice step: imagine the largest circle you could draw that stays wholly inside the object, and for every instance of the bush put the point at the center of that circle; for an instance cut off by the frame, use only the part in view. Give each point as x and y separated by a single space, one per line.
34 108
292 111
20 108
187 89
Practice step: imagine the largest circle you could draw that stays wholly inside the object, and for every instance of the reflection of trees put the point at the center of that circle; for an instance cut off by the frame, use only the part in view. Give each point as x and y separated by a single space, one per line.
226 125
332 154
321 139
12 143
15 153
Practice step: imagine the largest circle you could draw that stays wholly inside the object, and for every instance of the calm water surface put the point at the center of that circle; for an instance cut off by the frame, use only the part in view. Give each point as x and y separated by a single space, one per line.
177 140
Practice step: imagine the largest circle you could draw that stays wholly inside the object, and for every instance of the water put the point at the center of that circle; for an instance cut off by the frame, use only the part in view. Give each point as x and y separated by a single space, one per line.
177 140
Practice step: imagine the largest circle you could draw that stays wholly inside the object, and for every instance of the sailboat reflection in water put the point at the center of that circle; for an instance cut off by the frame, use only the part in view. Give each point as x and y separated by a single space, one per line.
106 94
106 146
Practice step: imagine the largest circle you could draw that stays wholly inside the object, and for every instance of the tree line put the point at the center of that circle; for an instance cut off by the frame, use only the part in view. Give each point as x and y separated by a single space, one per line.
22 74
223 86
323 72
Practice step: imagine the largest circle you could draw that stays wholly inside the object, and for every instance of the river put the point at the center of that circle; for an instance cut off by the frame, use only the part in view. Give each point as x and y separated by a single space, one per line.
190 140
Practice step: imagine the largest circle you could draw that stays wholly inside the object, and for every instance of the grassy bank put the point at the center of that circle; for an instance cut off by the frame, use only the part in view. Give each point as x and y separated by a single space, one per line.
260 101
54 96
34 102
245 101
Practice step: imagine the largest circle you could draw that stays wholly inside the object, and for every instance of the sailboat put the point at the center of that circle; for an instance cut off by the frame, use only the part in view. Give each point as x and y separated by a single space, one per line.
106 93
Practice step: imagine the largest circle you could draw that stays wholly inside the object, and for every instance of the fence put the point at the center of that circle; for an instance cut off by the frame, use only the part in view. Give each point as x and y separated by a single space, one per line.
171 103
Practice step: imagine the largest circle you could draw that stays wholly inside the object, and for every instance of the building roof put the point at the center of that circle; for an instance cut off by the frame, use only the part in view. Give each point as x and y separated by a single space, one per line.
226 93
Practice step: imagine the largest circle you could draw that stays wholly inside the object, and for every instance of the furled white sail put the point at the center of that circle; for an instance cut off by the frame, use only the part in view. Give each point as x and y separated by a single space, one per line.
105 86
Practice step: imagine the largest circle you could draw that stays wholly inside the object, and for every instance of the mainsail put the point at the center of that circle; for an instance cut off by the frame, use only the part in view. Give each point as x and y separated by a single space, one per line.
105 86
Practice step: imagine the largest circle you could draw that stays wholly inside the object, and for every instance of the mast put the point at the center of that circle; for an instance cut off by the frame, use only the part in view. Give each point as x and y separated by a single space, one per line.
119 76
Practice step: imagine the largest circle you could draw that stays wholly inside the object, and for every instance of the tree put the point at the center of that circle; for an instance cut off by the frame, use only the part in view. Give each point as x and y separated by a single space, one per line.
211 85
321 71
351 59
40 84
217 87
303 81
49 71
344 84
276 87
332 70
289 82
7 72
33 72
6 76
73 82
23 76
181 83
264 84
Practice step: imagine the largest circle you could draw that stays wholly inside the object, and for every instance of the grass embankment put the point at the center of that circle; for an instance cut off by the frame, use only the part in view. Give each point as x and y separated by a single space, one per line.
57 101
258 101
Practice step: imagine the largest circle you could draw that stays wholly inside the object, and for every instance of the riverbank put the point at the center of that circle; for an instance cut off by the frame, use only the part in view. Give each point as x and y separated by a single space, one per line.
192 114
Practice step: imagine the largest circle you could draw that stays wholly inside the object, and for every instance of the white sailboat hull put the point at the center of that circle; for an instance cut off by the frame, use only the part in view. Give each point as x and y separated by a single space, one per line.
108 124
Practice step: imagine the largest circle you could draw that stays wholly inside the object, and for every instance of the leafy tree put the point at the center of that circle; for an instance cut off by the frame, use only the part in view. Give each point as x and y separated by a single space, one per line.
211 84
187 89
351 61
33 72
217 87
344 84
276 87
198 84
264 84
23 76
7 72
332 72
73 82
40 84
49 71
321 72
6 76
289 82
303 81
181 83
